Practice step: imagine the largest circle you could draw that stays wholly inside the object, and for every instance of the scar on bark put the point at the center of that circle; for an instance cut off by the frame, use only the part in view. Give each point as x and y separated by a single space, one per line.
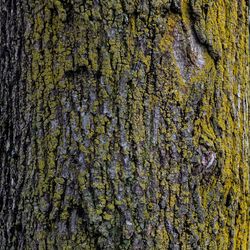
204 163
200 32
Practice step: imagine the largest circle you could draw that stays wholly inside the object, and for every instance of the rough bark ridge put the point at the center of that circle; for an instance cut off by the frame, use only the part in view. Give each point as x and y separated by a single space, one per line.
124 124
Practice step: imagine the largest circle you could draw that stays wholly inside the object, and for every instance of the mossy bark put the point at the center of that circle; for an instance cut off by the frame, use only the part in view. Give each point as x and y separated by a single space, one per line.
124 124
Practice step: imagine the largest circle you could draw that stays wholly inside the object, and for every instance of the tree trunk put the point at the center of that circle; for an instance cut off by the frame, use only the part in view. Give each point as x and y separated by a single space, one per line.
124 124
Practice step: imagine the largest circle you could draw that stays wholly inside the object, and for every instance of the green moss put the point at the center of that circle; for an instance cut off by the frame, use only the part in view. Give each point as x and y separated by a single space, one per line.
107 216
59 181
65 214
111 206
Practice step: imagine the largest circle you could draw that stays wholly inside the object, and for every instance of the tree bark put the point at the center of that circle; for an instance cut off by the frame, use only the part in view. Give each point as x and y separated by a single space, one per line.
124 124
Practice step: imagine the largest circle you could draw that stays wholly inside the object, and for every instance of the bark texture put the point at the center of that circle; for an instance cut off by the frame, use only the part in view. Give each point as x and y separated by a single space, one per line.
124 124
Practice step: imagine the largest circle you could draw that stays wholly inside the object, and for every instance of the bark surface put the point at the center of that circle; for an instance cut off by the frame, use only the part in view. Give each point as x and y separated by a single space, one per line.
124 124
